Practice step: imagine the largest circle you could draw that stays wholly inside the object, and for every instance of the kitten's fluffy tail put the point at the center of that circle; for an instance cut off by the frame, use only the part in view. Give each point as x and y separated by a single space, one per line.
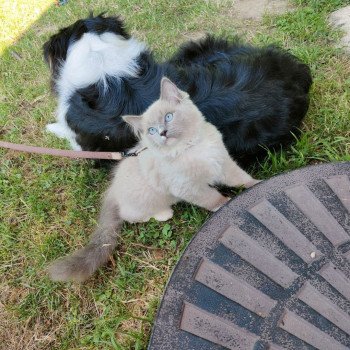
79 266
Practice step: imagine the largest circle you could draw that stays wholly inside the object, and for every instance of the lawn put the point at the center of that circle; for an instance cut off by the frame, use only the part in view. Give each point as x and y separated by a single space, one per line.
49 205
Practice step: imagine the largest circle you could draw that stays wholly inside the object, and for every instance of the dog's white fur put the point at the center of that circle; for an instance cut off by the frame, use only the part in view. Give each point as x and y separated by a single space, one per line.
89 61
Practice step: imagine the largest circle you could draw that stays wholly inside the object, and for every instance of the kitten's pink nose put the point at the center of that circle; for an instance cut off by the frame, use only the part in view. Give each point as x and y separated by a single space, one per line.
163 133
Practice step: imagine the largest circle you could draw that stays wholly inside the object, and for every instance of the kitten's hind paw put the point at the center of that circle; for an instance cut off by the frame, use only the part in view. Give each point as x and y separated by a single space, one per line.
251 183
164 215
223 202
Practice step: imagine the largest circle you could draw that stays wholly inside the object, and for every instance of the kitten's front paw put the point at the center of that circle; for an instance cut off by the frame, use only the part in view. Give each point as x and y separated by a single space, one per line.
164 215
252 183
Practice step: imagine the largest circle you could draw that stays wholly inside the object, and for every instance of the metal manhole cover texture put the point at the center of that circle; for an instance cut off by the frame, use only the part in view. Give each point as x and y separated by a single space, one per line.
270 270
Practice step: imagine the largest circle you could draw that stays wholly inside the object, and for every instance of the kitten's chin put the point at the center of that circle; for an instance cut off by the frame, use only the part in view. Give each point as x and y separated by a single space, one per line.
170 141
167 141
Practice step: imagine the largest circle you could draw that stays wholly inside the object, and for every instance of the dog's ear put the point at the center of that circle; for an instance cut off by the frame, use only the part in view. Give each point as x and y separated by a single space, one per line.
169 91
55 49
135 121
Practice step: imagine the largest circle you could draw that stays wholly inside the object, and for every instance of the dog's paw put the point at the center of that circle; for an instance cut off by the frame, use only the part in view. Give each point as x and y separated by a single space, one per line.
57 129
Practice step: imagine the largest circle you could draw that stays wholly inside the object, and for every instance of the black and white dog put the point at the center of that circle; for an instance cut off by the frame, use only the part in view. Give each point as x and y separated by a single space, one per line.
255 96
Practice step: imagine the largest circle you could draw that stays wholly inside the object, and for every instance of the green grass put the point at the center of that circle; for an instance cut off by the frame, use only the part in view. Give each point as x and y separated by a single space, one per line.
49 205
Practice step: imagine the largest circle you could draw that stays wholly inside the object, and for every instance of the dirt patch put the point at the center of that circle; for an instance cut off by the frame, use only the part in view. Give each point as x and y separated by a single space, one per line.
341 19
247 15
255 10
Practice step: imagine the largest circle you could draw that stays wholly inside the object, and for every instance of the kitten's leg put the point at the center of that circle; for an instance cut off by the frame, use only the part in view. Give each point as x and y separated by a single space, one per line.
205 197
234 176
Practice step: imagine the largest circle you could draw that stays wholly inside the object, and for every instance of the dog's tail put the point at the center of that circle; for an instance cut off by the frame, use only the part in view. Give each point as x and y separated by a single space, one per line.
79 266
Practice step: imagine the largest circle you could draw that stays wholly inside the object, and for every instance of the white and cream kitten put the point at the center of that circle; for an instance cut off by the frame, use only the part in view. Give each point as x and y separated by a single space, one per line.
183 157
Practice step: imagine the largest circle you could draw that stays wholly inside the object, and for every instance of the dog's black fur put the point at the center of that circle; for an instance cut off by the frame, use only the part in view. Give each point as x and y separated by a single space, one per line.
255 96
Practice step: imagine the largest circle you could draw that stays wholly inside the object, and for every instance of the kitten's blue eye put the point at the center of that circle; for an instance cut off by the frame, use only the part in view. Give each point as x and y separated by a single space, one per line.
152 131
169 117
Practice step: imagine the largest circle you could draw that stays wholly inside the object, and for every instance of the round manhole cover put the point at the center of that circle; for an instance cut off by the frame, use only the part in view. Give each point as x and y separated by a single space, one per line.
270 270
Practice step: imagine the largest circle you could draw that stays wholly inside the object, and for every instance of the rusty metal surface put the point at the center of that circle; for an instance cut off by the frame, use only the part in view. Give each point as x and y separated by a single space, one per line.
270 270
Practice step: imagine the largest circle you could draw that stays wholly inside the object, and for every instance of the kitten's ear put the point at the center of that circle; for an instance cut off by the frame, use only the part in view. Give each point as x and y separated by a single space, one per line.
135 121
169 91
